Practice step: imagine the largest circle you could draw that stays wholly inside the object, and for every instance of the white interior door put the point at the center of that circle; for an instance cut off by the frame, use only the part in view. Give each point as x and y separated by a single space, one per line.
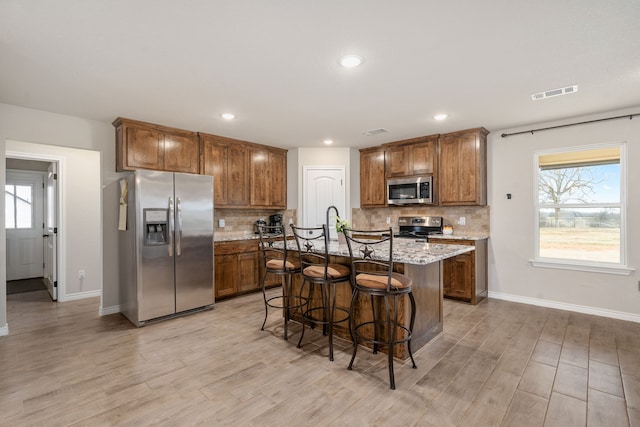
51 232
24 224
323 187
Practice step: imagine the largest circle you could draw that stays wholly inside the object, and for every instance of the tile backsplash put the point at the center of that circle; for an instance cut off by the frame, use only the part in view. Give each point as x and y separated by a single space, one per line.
476 217
240 221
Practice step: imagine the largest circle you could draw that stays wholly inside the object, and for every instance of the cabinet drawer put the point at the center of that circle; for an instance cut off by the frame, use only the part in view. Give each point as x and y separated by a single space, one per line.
453 242
235 247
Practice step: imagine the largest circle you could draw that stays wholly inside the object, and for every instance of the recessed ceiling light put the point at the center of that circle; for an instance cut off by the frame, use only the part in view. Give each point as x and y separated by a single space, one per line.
351 61
228 116
440 117
328 141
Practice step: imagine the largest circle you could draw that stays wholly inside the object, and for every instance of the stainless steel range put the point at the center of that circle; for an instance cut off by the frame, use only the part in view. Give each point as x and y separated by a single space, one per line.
419 227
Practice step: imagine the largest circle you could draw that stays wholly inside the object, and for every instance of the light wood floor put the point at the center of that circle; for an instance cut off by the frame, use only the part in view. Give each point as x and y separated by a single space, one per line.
497 363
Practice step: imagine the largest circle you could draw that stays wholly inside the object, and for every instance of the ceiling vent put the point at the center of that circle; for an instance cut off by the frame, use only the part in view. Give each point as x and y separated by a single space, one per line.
554 92
375 132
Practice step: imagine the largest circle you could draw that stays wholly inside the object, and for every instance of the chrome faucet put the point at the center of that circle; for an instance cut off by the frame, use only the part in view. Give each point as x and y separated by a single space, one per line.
337 215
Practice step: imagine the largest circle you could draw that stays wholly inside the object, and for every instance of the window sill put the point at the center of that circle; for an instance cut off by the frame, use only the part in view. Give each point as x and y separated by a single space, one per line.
621 270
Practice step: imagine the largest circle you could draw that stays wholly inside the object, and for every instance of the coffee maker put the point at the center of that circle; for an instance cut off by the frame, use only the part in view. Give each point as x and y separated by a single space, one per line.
275 220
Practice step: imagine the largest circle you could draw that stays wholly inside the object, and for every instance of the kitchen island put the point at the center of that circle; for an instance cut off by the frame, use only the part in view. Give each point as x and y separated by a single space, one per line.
420 261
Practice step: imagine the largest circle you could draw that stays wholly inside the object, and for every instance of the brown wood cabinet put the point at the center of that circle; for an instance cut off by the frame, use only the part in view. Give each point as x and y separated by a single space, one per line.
268 177
373 186
410 157
227 160
462 178
141 145
464 277
235 267
248 268
238 268
246 175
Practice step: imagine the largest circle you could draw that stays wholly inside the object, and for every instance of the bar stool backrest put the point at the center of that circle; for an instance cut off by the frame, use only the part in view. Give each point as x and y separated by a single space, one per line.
312 245
269 235
371 252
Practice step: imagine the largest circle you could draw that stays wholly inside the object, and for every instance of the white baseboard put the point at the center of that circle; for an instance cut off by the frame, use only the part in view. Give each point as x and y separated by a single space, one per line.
4 330
632 317
109 310
79 295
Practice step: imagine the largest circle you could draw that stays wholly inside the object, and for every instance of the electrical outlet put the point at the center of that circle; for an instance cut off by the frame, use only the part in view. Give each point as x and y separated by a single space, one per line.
388 220
81 274
462 220
221 223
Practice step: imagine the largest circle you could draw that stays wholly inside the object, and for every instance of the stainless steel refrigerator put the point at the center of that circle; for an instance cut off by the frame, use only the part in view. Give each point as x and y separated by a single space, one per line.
166 245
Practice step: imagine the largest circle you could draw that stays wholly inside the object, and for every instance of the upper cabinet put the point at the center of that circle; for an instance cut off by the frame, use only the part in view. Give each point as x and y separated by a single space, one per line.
268 172
457 161
417 156
372 178
245 175
227 161
142 145
463 168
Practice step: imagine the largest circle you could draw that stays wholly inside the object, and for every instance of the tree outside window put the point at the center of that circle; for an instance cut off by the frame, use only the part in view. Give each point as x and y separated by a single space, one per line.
579 205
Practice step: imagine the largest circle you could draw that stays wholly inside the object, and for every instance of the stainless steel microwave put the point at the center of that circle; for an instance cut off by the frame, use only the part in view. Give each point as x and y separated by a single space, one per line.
410 191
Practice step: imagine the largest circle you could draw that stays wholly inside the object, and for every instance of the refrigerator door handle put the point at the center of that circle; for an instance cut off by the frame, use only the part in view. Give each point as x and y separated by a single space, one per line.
170 246
178 227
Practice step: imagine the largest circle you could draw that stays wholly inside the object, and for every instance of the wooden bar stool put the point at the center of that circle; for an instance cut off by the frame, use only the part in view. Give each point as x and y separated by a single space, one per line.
371 253
320 275
279 261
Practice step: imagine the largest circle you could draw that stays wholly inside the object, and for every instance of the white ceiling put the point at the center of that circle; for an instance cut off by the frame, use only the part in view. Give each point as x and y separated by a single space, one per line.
274 63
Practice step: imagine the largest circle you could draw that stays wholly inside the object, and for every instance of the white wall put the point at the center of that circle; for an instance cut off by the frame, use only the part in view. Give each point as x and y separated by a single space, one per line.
511 246
324 156
80 229
40 127
292 178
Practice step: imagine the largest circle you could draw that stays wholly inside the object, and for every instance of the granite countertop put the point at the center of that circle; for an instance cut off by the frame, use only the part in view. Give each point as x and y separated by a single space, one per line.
406 251
460 235
230 237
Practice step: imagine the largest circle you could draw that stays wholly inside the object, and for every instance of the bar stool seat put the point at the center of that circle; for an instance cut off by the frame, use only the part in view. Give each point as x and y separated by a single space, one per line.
371 253
278 260
321 277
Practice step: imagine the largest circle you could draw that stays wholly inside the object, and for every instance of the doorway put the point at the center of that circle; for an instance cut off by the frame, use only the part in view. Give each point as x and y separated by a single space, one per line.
30 223
323 187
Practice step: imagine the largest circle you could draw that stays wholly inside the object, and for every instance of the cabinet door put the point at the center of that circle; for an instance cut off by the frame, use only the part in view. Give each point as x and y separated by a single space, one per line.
260 185
214 163
268 178
372 178
278 177
458 276
463 168
180 153
423 158
468 152
237 175
226 275
398 161
248 268
449 169
144 148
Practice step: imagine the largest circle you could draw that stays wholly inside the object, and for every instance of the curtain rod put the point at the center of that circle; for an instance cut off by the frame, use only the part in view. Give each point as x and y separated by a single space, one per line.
504 135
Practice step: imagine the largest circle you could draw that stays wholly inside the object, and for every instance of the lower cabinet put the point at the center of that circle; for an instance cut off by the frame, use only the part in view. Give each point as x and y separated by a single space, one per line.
465 276
238 268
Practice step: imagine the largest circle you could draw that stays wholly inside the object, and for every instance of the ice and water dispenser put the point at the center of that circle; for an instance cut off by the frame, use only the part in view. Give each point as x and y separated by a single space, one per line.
156 226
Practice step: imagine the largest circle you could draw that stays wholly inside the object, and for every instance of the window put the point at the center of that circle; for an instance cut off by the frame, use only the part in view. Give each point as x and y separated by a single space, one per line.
580 206
18 206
